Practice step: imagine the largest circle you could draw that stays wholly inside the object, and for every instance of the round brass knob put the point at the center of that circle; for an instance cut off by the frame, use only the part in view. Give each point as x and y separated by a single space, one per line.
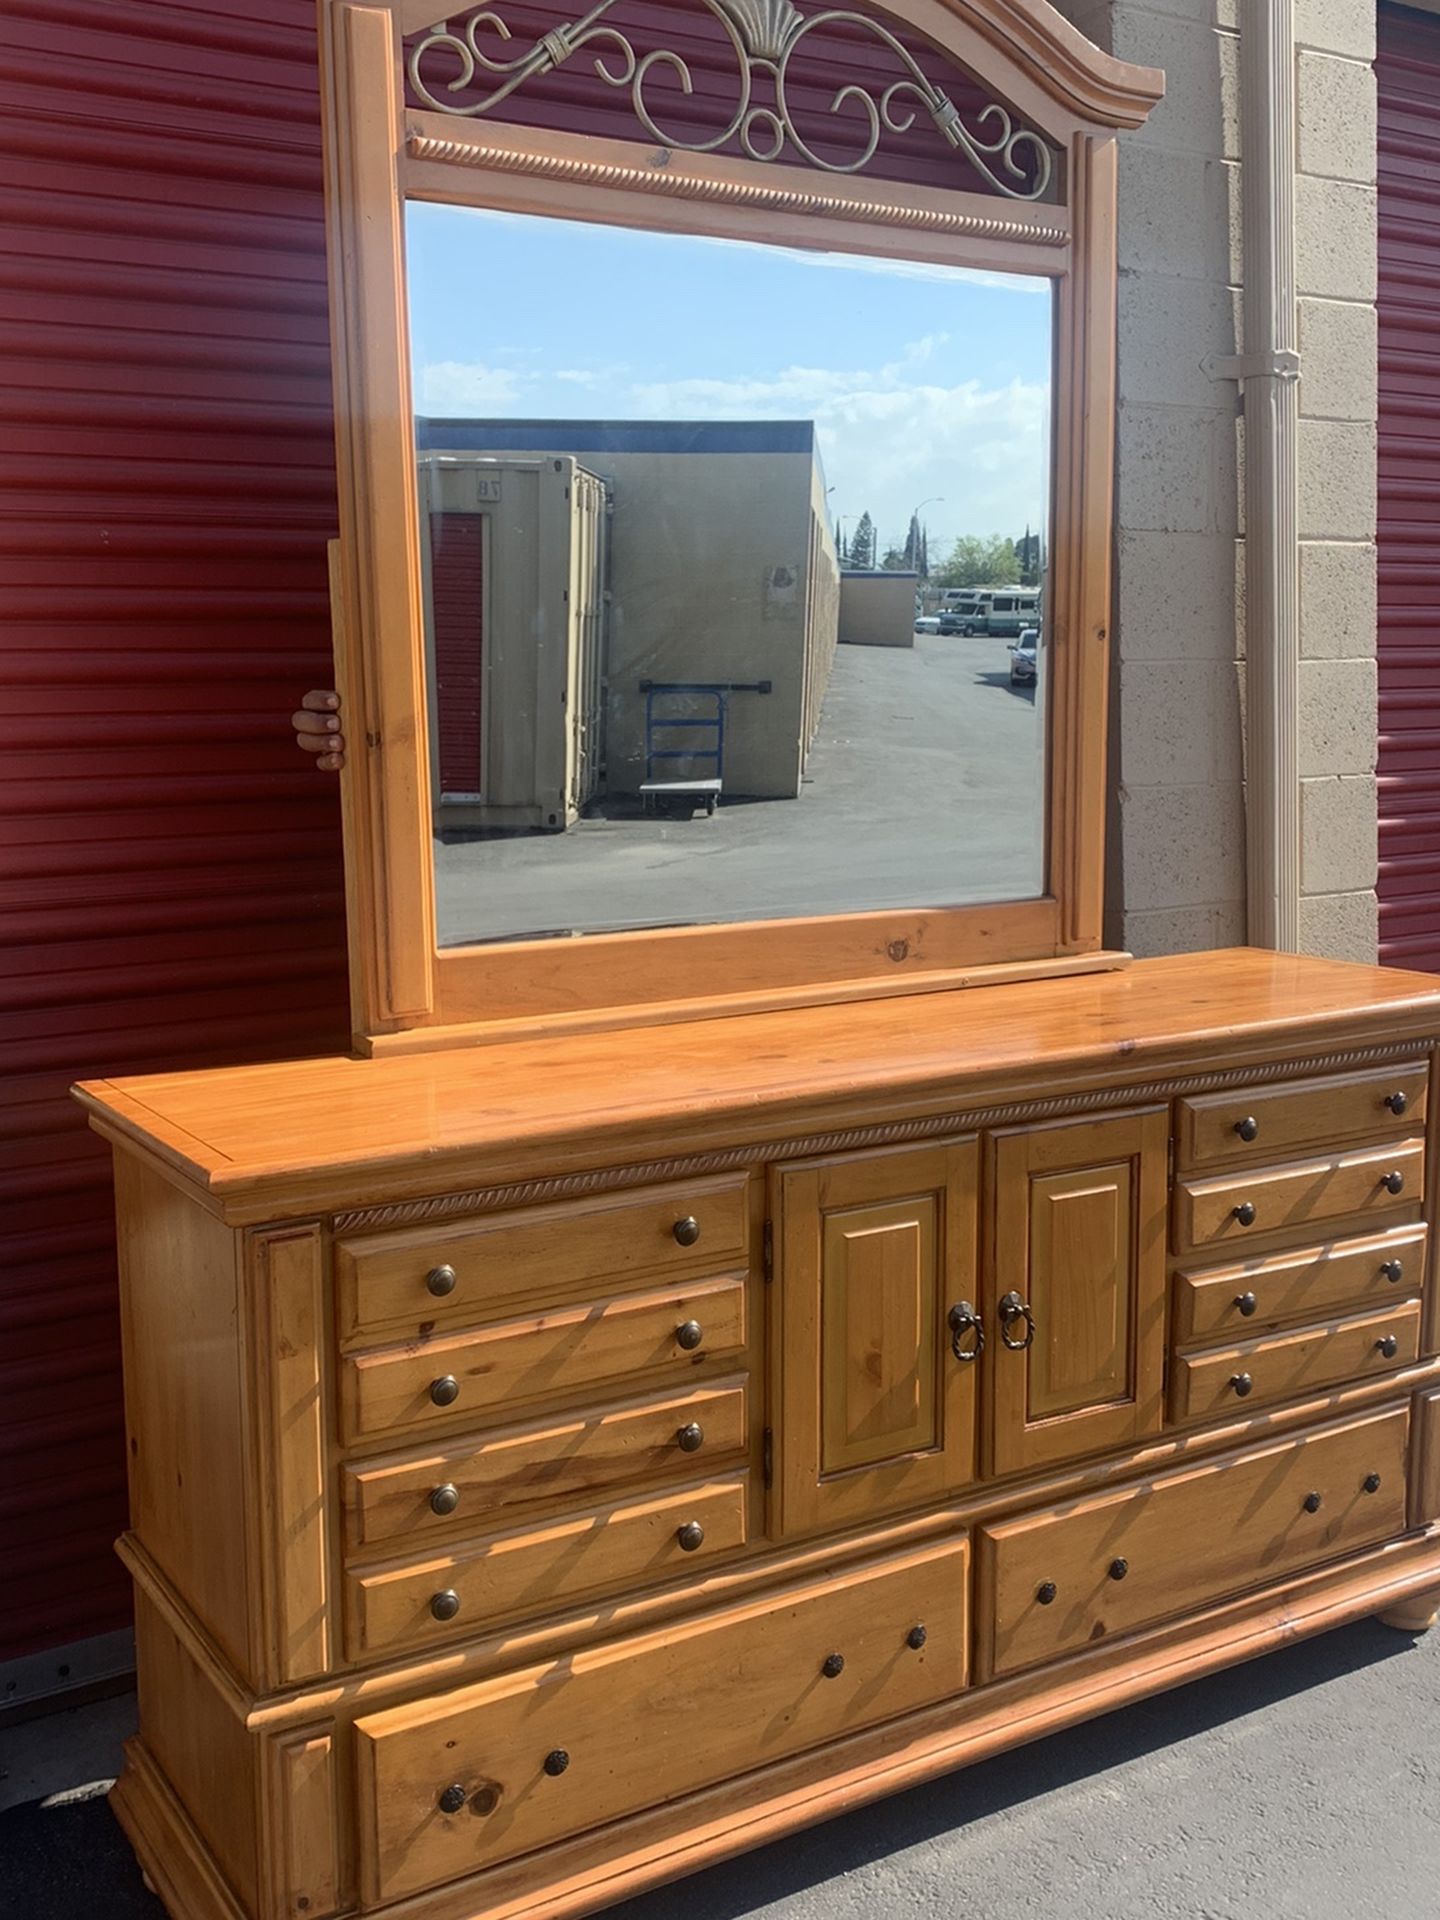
1045 1593
1242 1383
916 1638
1311 1503
440 1281
1371 1483
452 1799
1248 1128
445 1604
1393 1270
445 1500
1389 1346
1245 1213
445 1391
689 1334
691 1536
556 1762
686 1231
691 1437
833 1666
1119 1569
1394 1181
1397 1102
1247 1303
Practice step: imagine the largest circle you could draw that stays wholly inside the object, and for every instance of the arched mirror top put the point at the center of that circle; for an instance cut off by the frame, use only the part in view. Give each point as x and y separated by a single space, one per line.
506 390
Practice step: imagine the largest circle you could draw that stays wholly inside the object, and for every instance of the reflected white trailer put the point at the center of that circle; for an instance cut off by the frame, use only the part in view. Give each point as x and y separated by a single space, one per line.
515 573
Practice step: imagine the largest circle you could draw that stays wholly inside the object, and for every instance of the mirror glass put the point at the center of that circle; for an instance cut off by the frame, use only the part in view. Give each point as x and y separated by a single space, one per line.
735 577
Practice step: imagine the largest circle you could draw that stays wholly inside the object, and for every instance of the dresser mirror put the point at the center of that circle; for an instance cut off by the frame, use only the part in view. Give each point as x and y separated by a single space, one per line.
725 418
728 616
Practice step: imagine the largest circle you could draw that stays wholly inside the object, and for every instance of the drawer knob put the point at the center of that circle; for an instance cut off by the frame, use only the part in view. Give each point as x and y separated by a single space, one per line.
1247 1303
440 1281
1388 1345
1398 1101
1045 1593
444 1500
833 1666
691 1437
452 1799
445 1604
963 1320
445 1391
686 1231
1119 1569
1245 1213
1393 1270
1242 1383
1248 1128
1371 1483
689 1334
1311 1503
556 1762
1394 1181
691 1536
916 1638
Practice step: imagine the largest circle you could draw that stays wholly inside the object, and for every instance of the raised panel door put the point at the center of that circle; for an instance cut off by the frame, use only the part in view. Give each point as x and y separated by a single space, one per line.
876 1412
1075 1304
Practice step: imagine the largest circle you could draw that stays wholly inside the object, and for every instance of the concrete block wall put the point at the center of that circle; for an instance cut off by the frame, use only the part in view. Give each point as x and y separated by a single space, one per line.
1335 252
1176 876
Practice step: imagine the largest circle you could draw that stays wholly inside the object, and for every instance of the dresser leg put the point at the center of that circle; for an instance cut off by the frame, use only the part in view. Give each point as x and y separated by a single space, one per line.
1415 1615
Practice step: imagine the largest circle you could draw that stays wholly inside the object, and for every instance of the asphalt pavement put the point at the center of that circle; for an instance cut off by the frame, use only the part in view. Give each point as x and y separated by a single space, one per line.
1303 1786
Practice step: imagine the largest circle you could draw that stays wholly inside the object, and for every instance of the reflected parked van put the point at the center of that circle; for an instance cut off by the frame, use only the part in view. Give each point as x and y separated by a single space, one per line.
1009 613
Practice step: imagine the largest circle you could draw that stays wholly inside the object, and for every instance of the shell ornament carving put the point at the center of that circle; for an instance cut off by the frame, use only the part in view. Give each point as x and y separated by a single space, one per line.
767 37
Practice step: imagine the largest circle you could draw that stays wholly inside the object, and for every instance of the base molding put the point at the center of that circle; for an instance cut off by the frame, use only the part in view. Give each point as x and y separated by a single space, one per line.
1399 1582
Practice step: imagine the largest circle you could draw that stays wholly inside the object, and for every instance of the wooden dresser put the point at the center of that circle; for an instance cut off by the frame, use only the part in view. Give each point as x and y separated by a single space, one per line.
558 1464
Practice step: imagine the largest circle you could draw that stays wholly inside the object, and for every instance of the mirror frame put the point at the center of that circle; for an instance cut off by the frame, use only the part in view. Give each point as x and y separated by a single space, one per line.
379 153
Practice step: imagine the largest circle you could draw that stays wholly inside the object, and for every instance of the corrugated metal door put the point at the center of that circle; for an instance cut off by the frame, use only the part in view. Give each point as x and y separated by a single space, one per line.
170 879
1408 69
457 598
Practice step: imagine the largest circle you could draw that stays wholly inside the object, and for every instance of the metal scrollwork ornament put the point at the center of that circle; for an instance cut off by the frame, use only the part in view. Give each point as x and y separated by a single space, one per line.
766 36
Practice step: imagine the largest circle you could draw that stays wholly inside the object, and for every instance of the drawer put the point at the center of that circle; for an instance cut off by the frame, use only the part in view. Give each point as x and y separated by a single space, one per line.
1050 1583
570 1453
1240 1206
1272 1122
1228 1302
539 1356
383 1280
535 1569
1287 1364
569 1744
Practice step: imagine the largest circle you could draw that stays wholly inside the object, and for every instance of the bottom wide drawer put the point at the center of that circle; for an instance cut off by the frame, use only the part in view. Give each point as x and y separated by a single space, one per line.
1049 1583
453 1785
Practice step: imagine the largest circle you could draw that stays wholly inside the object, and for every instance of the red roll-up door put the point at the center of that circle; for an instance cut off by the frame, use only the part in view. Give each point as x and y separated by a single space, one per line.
1408 70
171 890
457 548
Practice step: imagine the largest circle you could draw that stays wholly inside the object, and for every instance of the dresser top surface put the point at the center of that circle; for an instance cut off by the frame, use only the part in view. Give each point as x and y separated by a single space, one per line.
235 1128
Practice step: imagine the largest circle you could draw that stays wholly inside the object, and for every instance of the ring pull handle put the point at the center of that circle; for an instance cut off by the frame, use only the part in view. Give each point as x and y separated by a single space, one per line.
1013 1308
963 1320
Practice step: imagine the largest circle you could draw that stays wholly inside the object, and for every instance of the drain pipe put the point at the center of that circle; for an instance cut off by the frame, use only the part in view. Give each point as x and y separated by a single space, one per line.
1269 371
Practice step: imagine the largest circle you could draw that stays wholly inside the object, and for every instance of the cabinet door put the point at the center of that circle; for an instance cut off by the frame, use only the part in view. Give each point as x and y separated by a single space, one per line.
1079 1238
874 1412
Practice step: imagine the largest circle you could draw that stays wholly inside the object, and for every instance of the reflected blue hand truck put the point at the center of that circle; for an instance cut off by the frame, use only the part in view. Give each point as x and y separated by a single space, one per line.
661 693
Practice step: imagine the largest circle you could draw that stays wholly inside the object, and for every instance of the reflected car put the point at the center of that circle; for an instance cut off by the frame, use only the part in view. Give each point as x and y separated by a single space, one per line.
1023 653
927 623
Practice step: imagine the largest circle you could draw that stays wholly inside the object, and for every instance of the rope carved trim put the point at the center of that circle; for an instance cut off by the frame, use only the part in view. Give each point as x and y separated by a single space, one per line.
678 186
448 1206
